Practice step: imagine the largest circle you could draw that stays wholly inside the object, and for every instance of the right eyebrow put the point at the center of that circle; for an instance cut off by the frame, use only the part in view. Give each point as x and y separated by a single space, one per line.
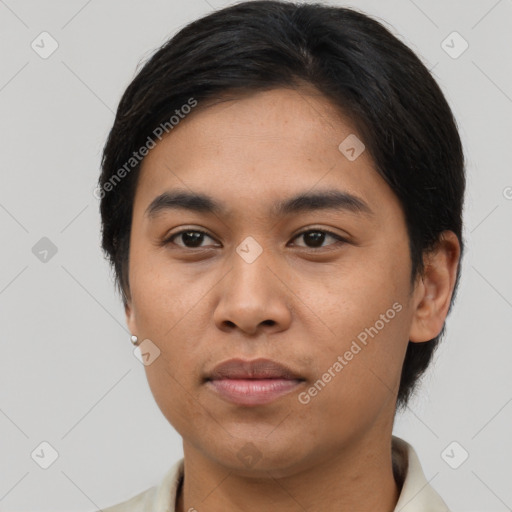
185 200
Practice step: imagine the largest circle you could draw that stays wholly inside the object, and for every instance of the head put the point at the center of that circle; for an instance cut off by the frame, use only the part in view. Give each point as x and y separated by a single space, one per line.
325 140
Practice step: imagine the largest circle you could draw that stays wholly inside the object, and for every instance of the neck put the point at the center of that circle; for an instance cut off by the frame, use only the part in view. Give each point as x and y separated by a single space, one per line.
360 477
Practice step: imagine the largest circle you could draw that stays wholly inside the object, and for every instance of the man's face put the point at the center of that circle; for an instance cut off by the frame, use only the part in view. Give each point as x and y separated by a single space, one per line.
303 301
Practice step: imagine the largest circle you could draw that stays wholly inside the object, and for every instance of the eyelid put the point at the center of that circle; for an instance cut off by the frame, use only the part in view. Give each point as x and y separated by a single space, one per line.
340 239
168 239
318 228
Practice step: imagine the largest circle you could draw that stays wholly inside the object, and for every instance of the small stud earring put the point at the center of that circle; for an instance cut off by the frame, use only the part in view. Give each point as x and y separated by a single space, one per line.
134 339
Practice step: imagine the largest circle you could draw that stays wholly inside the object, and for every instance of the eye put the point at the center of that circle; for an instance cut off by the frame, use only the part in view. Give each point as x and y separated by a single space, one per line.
191 238
314 238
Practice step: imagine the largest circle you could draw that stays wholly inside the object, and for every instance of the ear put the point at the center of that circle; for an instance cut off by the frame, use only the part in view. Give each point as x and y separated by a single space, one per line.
433 290
130 317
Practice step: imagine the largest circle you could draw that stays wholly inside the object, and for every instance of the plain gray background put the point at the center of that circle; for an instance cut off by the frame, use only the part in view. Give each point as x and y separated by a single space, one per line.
68 375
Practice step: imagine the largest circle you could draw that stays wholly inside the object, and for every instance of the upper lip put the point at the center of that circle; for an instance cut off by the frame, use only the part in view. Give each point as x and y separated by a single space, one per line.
255 369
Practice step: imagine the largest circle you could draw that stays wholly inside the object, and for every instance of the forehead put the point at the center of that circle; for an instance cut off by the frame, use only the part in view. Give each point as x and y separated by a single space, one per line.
258 148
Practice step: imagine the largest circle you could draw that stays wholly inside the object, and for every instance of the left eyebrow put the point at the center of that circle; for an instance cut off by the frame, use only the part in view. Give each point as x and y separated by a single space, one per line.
307 201
322 200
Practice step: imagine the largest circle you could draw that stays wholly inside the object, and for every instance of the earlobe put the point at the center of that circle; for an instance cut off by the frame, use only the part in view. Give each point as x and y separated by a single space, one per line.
434 291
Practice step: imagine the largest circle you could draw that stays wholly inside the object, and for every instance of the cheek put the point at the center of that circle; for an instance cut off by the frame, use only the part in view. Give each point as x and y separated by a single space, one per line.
175 397
164 294
351 303
168 317
355 381
368 318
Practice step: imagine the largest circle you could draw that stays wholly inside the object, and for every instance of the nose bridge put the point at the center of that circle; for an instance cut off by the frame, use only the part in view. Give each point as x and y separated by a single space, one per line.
252 295
250 271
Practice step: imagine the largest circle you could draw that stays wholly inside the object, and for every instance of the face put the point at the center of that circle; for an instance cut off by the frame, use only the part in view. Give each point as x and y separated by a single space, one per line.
321 286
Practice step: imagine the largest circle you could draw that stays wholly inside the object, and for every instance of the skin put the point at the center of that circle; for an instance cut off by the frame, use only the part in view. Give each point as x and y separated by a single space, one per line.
298 303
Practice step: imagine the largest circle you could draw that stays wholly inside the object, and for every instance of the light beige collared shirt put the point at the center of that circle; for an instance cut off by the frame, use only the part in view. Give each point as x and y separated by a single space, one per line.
417 494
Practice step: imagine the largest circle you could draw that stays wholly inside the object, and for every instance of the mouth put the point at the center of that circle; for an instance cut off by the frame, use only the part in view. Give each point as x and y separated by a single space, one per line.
252 391
252 383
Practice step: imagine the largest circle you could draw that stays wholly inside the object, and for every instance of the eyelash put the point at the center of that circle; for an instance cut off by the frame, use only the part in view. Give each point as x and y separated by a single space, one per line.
340 240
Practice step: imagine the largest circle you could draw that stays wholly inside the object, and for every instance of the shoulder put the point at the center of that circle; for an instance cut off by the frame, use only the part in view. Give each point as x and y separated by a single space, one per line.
417 495
138 503
161 497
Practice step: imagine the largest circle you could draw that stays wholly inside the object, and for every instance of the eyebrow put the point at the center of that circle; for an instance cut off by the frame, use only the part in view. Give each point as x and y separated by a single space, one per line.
304 202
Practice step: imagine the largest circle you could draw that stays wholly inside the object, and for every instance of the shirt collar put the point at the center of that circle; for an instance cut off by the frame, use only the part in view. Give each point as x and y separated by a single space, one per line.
417 495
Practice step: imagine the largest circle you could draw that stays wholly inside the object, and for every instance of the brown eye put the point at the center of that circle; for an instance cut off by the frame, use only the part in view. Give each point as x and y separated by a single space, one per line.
314 238
190 238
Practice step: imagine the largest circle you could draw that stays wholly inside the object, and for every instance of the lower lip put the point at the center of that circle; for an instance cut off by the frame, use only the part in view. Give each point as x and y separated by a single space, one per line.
253 391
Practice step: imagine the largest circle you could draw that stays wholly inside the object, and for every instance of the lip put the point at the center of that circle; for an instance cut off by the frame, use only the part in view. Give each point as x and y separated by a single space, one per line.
256 369
255 382
252 391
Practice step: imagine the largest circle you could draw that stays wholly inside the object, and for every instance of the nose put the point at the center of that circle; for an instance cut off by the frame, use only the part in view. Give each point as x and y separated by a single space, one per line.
253 298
